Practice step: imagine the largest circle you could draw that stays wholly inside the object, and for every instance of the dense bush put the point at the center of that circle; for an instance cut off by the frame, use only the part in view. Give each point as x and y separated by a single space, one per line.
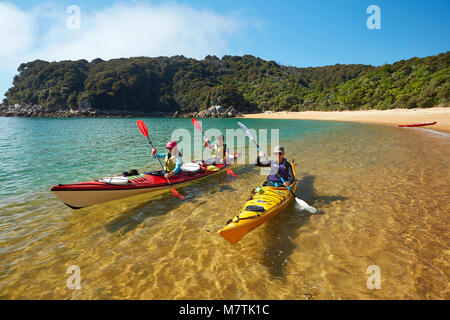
247 83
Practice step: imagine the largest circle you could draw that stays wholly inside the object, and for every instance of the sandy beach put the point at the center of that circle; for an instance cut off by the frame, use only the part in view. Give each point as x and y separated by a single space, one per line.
392 117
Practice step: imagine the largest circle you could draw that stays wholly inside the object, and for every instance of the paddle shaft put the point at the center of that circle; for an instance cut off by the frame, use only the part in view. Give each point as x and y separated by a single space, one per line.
247 132
260 150
282 180
201 131
199 128
159 160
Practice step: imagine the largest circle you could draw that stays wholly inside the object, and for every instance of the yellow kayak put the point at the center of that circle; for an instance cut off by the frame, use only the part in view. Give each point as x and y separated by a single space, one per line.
260 207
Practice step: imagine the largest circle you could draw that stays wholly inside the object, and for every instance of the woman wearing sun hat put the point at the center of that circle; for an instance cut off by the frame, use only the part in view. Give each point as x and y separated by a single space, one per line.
219 151
172 159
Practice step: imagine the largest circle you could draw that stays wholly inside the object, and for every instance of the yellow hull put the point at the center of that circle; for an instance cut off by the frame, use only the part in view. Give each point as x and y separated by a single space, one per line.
273 200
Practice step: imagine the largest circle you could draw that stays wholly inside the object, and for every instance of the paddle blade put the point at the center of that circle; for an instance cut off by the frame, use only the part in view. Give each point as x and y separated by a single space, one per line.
247 132
196 124
141 125
176 194
231 173
304 206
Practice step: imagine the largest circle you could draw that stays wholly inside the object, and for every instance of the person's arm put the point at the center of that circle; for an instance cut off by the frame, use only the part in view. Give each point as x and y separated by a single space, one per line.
290 173
159 155
178 165
260 164
206 144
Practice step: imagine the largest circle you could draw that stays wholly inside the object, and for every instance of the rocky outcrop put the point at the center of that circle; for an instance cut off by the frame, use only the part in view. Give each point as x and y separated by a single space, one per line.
18 110
86 110
218 112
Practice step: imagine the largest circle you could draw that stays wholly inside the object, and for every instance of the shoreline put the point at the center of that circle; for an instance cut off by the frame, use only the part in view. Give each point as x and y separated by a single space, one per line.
392 117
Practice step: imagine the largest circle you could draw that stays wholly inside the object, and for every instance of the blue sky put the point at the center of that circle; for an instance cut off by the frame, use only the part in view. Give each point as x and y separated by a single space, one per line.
298 33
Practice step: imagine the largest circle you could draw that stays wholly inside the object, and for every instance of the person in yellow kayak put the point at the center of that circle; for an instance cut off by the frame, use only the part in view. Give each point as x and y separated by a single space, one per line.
172 159
279 168
219 151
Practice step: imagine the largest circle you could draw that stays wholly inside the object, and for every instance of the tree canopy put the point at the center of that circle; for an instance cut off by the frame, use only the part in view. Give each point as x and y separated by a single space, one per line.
246 82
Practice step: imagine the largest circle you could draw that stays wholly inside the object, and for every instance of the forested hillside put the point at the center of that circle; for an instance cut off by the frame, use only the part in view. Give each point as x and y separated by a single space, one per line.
249 84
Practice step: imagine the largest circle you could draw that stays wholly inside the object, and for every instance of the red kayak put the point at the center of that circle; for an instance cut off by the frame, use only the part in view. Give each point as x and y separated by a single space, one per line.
84 194
418 124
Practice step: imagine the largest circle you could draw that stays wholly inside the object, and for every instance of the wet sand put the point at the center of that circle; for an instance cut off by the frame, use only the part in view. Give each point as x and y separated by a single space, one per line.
388 117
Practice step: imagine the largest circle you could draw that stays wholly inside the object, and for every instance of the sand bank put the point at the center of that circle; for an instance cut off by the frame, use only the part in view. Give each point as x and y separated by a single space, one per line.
387 117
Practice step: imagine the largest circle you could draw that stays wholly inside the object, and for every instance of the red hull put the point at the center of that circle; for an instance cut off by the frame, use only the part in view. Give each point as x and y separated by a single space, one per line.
84 194
147 181
418 124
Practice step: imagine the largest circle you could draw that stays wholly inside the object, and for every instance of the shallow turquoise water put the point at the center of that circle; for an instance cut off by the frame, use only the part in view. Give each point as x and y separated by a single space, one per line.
36 153
382 193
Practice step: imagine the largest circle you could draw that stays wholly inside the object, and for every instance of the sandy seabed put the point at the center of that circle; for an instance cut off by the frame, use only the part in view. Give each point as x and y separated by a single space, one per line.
388 117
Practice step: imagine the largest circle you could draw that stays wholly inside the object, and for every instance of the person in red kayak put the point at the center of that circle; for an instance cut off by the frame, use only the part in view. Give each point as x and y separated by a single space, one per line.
279 168
219 150
172 159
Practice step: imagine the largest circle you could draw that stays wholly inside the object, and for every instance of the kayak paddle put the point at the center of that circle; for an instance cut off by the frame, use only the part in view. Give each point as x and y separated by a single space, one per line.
302 204
143 128
247 132
230 172
199 128
197 125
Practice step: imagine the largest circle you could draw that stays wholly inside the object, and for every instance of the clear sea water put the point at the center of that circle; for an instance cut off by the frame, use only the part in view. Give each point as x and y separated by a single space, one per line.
383 196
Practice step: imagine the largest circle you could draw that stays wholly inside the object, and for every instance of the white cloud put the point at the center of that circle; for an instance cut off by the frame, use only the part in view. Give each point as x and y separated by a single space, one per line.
16 32
118 31
140 29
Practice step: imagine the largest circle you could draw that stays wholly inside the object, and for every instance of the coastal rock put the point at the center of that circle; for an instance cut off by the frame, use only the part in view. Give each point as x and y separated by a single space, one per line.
217 111
212 110
87 110
204 114
232 112
85 103
220 109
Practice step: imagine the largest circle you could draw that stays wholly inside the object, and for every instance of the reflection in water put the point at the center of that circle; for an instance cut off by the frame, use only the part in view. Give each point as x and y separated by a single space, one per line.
161 205
134 217
283 229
